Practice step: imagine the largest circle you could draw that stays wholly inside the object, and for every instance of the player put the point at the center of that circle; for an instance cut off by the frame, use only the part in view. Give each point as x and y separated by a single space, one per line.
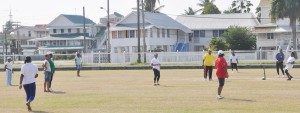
221 67
289 65
156 69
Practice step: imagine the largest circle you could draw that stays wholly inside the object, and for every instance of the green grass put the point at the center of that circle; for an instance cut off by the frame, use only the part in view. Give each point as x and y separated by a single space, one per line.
132 91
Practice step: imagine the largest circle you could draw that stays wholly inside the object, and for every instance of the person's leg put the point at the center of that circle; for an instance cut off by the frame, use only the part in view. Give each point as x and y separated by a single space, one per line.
236 68
281 67
231 66
210 72
45 73
288 74
27 91
155 76
51 78
8 78
158 76
206 71
277 68
220 88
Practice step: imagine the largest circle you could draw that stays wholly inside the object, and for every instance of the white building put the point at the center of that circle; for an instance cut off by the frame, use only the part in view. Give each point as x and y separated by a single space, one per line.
207 26
161 32
67 35
22 35
271 36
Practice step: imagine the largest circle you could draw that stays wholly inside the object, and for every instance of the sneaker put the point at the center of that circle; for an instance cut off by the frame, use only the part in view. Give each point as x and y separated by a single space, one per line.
154 85
289 79
157 84
219 97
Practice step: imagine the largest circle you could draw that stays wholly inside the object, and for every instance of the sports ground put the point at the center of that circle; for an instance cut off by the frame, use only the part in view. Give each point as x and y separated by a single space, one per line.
132 91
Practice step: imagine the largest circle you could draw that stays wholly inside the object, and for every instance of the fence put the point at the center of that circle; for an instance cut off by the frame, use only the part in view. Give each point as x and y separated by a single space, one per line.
97 59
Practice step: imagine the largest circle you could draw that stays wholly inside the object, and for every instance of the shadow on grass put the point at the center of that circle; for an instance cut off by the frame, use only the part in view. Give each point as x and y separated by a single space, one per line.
244 100
39 111
58 92
165 86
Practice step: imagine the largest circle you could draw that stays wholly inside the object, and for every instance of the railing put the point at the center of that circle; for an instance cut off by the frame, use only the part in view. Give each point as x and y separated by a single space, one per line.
99 58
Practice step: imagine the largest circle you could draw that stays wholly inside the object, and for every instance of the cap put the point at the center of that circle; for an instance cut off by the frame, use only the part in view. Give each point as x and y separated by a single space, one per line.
220 52
8 58
209 49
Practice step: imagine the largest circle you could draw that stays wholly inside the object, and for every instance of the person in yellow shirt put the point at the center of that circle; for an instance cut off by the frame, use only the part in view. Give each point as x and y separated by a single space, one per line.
207 64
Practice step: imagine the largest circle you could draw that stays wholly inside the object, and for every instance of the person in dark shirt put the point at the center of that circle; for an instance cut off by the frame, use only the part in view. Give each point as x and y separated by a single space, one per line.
279 62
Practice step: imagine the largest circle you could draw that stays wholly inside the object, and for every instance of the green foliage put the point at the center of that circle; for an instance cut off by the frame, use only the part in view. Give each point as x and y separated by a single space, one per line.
190 11
210 8
240 38
150 6
218 44
70 57
239 6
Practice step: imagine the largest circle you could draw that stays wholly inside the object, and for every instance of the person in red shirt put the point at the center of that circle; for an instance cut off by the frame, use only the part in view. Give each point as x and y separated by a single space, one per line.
221 67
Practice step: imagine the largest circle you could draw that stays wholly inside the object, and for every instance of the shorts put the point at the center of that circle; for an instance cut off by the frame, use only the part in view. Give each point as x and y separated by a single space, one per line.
221 82
78 67
47 76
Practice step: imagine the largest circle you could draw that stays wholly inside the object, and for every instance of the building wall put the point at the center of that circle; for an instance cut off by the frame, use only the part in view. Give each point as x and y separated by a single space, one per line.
280 39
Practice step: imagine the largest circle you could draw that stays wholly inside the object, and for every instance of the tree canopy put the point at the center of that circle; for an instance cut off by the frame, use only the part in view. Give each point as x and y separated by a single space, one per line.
150 6
240 38
286 9
239 6
218 44
208 7
190 11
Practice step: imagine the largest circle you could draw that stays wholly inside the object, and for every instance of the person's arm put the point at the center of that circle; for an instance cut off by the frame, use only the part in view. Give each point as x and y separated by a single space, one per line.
21 79
44 66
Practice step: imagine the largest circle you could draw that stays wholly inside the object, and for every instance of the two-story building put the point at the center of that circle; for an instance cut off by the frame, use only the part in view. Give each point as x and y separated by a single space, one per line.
66 35
161 32
22 35
207 26
273 35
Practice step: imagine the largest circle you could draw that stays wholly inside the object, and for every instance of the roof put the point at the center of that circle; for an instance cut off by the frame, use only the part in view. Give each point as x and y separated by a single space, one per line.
33 28
78 19
61 48
158 20
217 21
60 38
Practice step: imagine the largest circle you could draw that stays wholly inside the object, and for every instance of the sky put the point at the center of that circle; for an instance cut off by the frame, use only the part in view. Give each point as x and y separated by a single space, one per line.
32 12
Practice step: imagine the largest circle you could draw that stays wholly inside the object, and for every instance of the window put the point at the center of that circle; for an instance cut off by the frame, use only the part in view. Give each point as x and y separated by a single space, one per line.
146 33
215 33
151 33
120 34
29 33
221 32
202 33
62 31
114 34
78 30
69 30
158 33
163 33
131 34
168 33
54 30
196 33
270 36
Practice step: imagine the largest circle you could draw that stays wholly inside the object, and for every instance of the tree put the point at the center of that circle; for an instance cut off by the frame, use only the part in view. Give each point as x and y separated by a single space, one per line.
239 6
258 12
218 44
191 11
281 9
8 27
208 7
150 6
240 38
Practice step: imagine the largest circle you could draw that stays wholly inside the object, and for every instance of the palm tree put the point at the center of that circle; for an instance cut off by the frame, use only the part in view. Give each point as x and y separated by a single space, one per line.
241 6
203 3
190 11
150 6
281 9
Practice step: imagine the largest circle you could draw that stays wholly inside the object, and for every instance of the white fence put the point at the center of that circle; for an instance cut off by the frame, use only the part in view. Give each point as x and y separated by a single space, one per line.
165 57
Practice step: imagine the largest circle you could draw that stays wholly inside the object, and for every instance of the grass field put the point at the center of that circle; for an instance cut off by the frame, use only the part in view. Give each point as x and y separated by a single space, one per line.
132 91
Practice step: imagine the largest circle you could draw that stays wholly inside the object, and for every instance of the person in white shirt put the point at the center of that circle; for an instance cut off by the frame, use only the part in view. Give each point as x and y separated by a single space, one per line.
156 69
78 61
47 72
234 61
29 72
8 68
289 65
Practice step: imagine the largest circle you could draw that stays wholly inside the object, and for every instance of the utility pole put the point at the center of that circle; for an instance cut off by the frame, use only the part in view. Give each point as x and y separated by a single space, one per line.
144 37
5 40
108 32
138 30
84 31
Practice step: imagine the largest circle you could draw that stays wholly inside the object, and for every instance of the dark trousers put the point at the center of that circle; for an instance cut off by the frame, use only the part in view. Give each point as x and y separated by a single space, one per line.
156 75
51 78
234 65
279 65
30 91
210 70
288 74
